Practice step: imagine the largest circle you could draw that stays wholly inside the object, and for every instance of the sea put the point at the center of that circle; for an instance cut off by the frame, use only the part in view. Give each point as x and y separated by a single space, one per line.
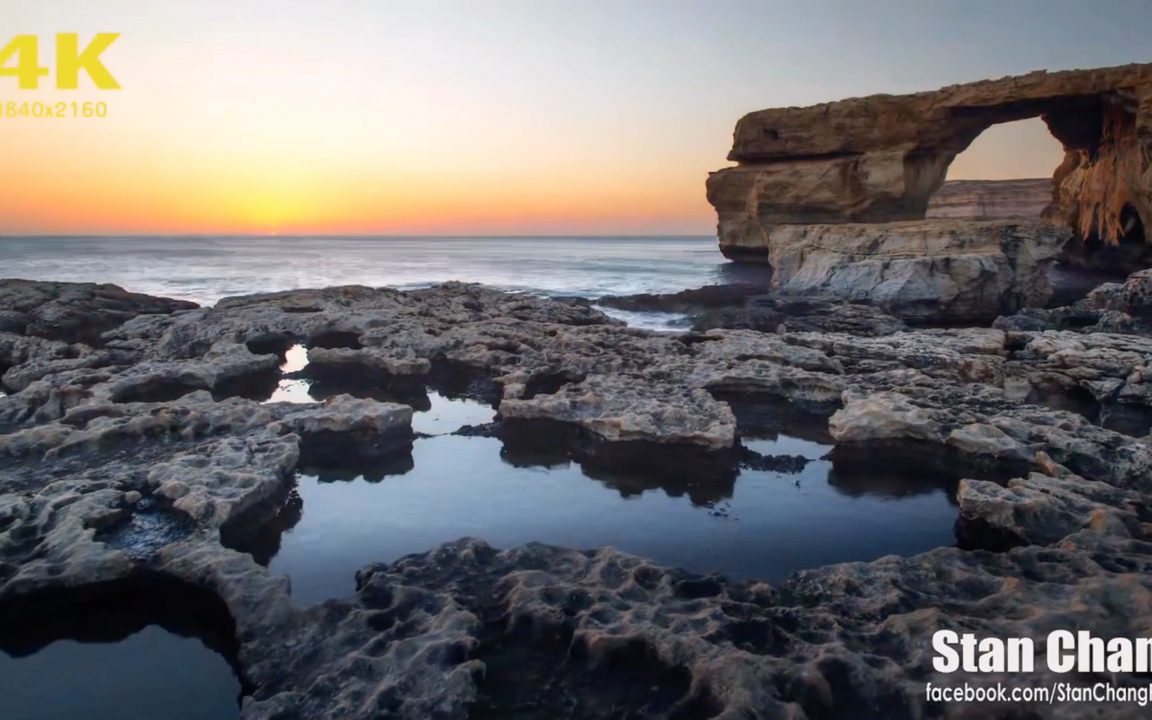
204 269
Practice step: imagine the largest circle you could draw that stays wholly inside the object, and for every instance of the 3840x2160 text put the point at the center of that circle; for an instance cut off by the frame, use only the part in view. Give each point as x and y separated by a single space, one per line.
24 109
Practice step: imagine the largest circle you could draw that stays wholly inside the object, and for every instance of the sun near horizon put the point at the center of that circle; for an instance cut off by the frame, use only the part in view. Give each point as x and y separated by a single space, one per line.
459 118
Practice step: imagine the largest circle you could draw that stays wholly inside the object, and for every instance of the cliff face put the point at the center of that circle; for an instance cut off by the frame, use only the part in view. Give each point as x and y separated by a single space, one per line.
880 158
991 199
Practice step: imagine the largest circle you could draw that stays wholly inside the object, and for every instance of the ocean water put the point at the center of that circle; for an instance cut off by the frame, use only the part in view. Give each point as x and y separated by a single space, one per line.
205 269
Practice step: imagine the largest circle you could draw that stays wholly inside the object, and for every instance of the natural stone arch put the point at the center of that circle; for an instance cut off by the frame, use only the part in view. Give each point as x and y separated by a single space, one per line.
879 158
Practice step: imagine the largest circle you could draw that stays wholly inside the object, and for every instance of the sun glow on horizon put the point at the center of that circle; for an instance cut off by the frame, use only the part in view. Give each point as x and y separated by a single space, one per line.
445 117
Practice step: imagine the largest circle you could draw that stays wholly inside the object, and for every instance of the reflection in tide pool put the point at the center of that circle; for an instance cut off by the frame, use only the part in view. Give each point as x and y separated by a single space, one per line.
146 646
293 390
435 414
444 415
150 674
787 445
766 525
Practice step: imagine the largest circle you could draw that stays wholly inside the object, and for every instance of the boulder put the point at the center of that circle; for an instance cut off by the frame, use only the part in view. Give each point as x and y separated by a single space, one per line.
621 409
1040 509
883 416
368 361
74 312
1132 297
930 271
349 430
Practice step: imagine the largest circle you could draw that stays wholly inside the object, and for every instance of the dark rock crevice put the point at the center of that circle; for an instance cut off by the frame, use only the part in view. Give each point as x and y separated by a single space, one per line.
361 381
252 386
551 673
271 343
322 448
335 339
457 380
764 415
158 389
258 530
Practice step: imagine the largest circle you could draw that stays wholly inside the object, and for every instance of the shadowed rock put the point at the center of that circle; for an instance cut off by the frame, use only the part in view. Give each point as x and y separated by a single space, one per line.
751 307
685 301
74 312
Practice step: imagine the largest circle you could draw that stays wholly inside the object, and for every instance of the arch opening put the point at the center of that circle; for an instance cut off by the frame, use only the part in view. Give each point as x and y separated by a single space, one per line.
1006 172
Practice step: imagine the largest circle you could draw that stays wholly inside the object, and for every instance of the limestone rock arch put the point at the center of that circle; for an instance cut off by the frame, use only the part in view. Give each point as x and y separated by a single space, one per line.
878 159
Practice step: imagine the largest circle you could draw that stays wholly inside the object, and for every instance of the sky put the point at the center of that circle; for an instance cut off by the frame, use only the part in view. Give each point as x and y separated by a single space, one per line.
484 117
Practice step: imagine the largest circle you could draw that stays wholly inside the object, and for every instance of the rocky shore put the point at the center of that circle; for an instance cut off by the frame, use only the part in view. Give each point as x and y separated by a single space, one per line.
121 408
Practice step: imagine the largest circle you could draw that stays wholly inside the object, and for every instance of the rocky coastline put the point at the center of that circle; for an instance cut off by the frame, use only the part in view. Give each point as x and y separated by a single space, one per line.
140 445
121 407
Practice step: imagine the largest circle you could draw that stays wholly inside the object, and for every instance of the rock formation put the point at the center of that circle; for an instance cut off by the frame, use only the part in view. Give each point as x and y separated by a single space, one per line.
991 199
879 159
466 631
934 271
74 312
749 307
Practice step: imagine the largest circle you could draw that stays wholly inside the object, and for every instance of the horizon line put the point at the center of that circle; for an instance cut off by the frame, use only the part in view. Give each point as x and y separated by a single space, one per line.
347 235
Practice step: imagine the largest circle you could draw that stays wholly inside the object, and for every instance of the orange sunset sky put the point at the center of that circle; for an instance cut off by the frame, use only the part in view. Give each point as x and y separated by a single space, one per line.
475 117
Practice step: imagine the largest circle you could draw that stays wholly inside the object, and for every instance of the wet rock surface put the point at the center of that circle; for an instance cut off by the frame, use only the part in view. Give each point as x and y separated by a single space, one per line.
1053 532
753 307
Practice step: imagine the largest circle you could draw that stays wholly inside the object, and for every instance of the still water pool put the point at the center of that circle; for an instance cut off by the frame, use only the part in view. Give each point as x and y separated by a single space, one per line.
753 524
125 650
